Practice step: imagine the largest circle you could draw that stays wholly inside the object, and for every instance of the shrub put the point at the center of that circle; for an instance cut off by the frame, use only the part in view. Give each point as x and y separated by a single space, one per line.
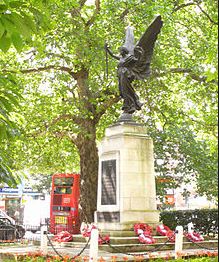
205 220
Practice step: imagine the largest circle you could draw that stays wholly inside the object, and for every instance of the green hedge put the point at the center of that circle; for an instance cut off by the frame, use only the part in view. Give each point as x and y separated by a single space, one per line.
205 220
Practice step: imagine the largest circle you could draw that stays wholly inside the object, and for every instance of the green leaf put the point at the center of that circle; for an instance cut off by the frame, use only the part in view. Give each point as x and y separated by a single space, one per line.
21 25
17 41
3 133
16 4
8 23
37 14
2 29
211 75
5 103
29 22
3 7
12 99
3 118
5 43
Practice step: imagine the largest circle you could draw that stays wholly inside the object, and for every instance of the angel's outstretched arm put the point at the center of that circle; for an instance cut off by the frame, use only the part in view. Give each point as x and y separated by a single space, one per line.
110 52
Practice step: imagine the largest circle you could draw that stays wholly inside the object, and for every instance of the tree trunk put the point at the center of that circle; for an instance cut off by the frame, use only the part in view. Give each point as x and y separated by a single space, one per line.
89 172
86 144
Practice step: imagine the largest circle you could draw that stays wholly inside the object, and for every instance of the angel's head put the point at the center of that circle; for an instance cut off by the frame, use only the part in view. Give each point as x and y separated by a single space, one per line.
124 51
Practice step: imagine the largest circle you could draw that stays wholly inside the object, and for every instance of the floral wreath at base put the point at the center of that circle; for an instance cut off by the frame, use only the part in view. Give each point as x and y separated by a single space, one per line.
163 230
63 236
144 233
86 232
194 237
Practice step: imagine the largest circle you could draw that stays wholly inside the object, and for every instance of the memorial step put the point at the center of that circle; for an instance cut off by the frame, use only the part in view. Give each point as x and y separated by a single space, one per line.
129 238
122 240
127 245
132 248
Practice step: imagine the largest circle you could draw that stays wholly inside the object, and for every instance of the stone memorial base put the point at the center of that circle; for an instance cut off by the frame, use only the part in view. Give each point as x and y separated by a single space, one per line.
126 182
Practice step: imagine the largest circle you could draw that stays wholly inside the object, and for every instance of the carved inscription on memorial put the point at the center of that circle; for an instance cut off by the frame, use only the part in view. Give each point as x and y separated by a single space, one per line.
108 187
108 217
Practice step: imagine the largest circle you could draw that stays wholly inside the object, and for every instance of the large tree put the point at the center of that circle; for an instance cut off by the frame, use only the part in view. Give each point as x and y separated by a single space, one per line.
69 100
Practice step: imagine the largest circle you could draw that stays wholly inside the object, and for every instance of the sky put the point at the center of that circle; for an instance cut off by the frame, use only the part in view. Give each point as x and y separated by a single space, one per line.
90 2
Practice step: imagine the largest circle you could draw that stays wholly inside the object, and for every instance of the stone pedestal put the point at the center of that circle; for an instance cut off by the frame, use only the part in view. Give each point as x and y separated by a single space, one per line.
126 182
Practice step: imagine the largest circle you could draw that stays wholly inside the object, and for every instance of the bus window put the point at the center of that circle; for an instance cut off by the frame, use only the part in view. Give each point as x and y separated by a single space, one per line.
63 181
62 190
68 181
68 190
60 208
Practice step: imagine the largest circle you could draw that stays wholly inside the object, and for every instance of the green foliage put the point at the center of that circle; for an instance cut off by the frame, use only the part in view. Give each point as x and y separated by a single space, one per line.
19 20
205 221
188 159
9 97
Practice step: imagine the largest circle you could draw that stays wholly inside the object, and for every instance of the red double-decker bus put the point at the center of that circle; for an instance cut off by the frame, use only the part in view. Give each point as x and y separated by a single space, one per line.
64 214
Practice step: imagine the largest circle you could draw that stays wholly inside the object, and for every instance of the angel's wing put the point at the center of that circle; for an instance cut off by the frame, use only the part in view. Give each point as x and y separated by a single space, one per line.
129 40
144 48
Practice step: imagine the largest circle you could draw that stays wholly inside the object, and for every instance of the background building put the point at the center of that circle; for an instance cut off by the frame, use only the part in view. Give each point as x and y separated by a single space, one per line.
25 205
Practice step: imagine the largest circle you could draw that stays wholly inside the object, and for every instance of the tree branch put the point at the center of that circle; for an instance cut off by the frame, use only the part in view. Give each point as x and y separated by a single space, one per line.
41 69
97 4
124 13
207 15
77 12
194 76
62 117
65 58
197 2
62 134
82 3
105 105
177 8
75 119
96 12
212 127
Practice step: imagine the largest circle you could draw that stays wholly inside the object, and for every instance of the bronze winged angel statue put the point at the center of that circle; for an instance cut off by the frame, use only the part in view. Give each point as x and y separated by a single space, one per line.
134 63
